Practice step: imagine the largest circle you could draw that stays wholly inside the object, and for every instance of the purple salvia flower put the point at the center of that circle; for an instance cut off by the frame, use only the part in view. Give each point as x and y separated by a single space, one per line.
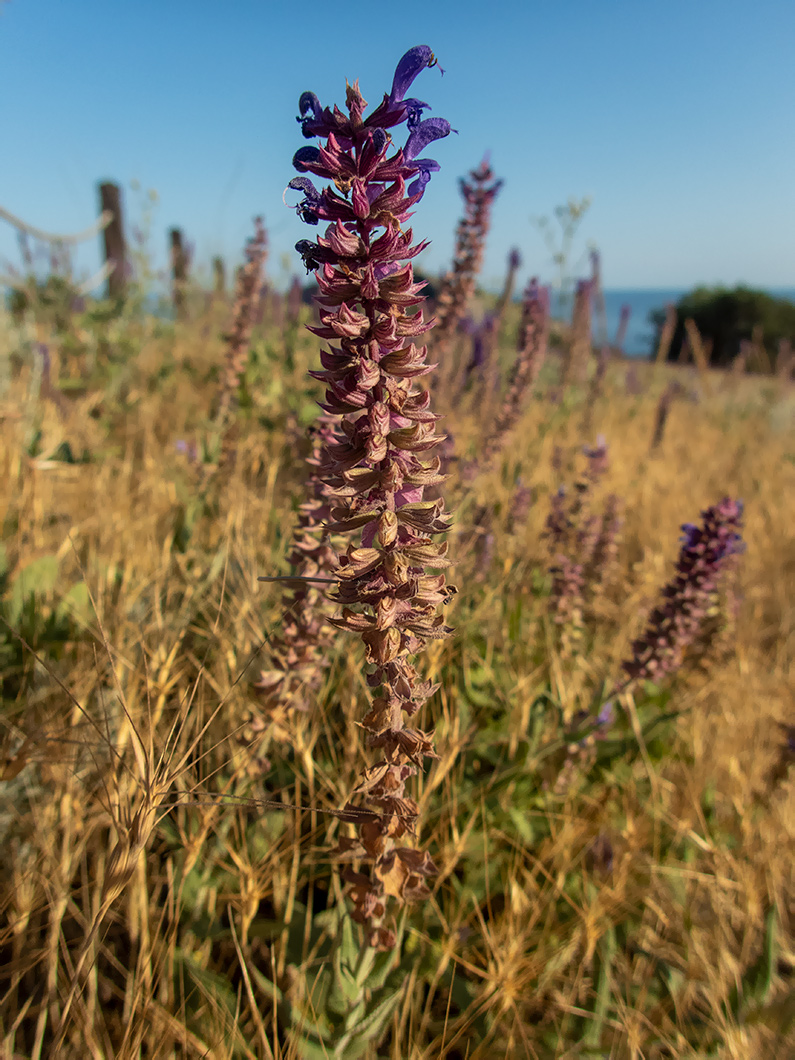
581 544
298 651
605 547
598 460
458 286
373 472
523 500
531 351
483 337
676 622
238 339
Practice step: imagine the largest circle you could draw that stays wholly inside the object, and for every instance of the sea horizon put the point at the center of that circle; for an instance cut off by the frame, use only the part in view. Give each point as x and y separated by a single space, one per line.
643 301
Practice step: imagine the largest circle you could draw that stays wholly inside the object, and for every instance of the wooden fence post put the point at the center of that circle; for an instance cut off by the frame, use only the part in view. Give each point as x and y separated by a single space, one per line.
179 269
219 277
115 246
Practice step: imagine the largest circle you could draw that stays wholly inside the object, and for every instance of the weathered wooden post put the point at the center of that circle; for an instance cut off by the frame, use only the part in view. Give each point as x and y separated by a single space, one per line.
219 277
113 235
179 270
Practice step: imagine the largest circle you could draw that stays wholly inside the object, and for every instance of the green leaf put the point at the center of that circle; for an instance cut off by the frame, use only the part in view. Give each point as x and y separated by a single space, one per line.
76 603
349 948
366 1029
37 578
607 949
345 990
522 824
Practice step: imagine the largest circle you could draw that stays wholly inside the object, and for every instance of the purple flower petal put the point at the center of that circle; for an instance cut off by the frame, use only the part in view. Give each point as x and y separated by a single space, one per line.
425 133
305 155
307 209
426 166
413 62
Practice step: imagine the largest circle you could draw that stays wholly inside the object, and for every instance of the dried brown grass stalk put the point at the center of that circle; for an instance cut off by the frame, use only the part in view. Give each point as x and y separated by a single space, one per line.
666 335
672 391
700 354
577 355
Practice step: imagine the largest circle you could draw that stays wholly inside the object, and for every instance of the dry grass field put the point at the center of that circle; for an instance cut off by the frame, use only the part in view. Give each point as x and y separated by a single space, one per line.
166 886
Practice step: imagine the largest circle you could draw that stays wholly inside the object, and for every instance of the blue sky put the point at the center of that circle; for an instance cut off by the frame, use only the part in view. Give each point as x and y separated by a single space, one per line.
676 118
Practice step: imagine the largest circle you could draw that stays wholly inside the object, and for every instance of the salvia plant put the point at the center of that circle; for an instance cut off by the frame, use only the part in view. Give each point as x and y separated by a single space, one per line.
530 355
299 650
374 472
458 286
678 633
674 625
238 339
484 334
582 545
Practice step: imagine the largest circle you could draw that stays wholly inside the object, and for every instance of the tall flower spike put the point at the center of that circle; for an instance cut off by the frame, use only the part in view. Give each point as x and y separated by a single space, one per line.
675 623
530 353
238 340
458 286
374 473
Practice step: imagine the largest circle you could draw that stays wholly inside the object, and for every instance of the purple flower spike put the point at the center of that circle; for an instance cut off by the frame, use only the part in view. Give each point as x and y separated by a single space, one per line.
372 471
676 622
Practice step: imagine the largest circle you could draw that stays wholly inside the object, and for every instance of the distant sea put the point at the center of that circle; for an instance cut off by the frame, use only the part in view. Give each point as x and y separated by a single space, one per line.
642 301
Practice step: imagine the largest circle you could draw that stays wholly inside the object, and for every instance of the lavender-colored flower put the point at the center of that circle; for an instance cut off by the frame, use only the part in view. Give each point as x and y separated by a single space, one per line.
374 474
581 544
458 286
523 500
238 339
483 336
298 650
675 623
530 354
598 461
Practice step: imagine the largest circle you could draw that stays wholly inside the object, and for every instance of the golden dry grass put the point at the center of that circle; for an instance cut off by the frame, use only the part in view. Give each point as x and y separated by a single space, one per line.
161 894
